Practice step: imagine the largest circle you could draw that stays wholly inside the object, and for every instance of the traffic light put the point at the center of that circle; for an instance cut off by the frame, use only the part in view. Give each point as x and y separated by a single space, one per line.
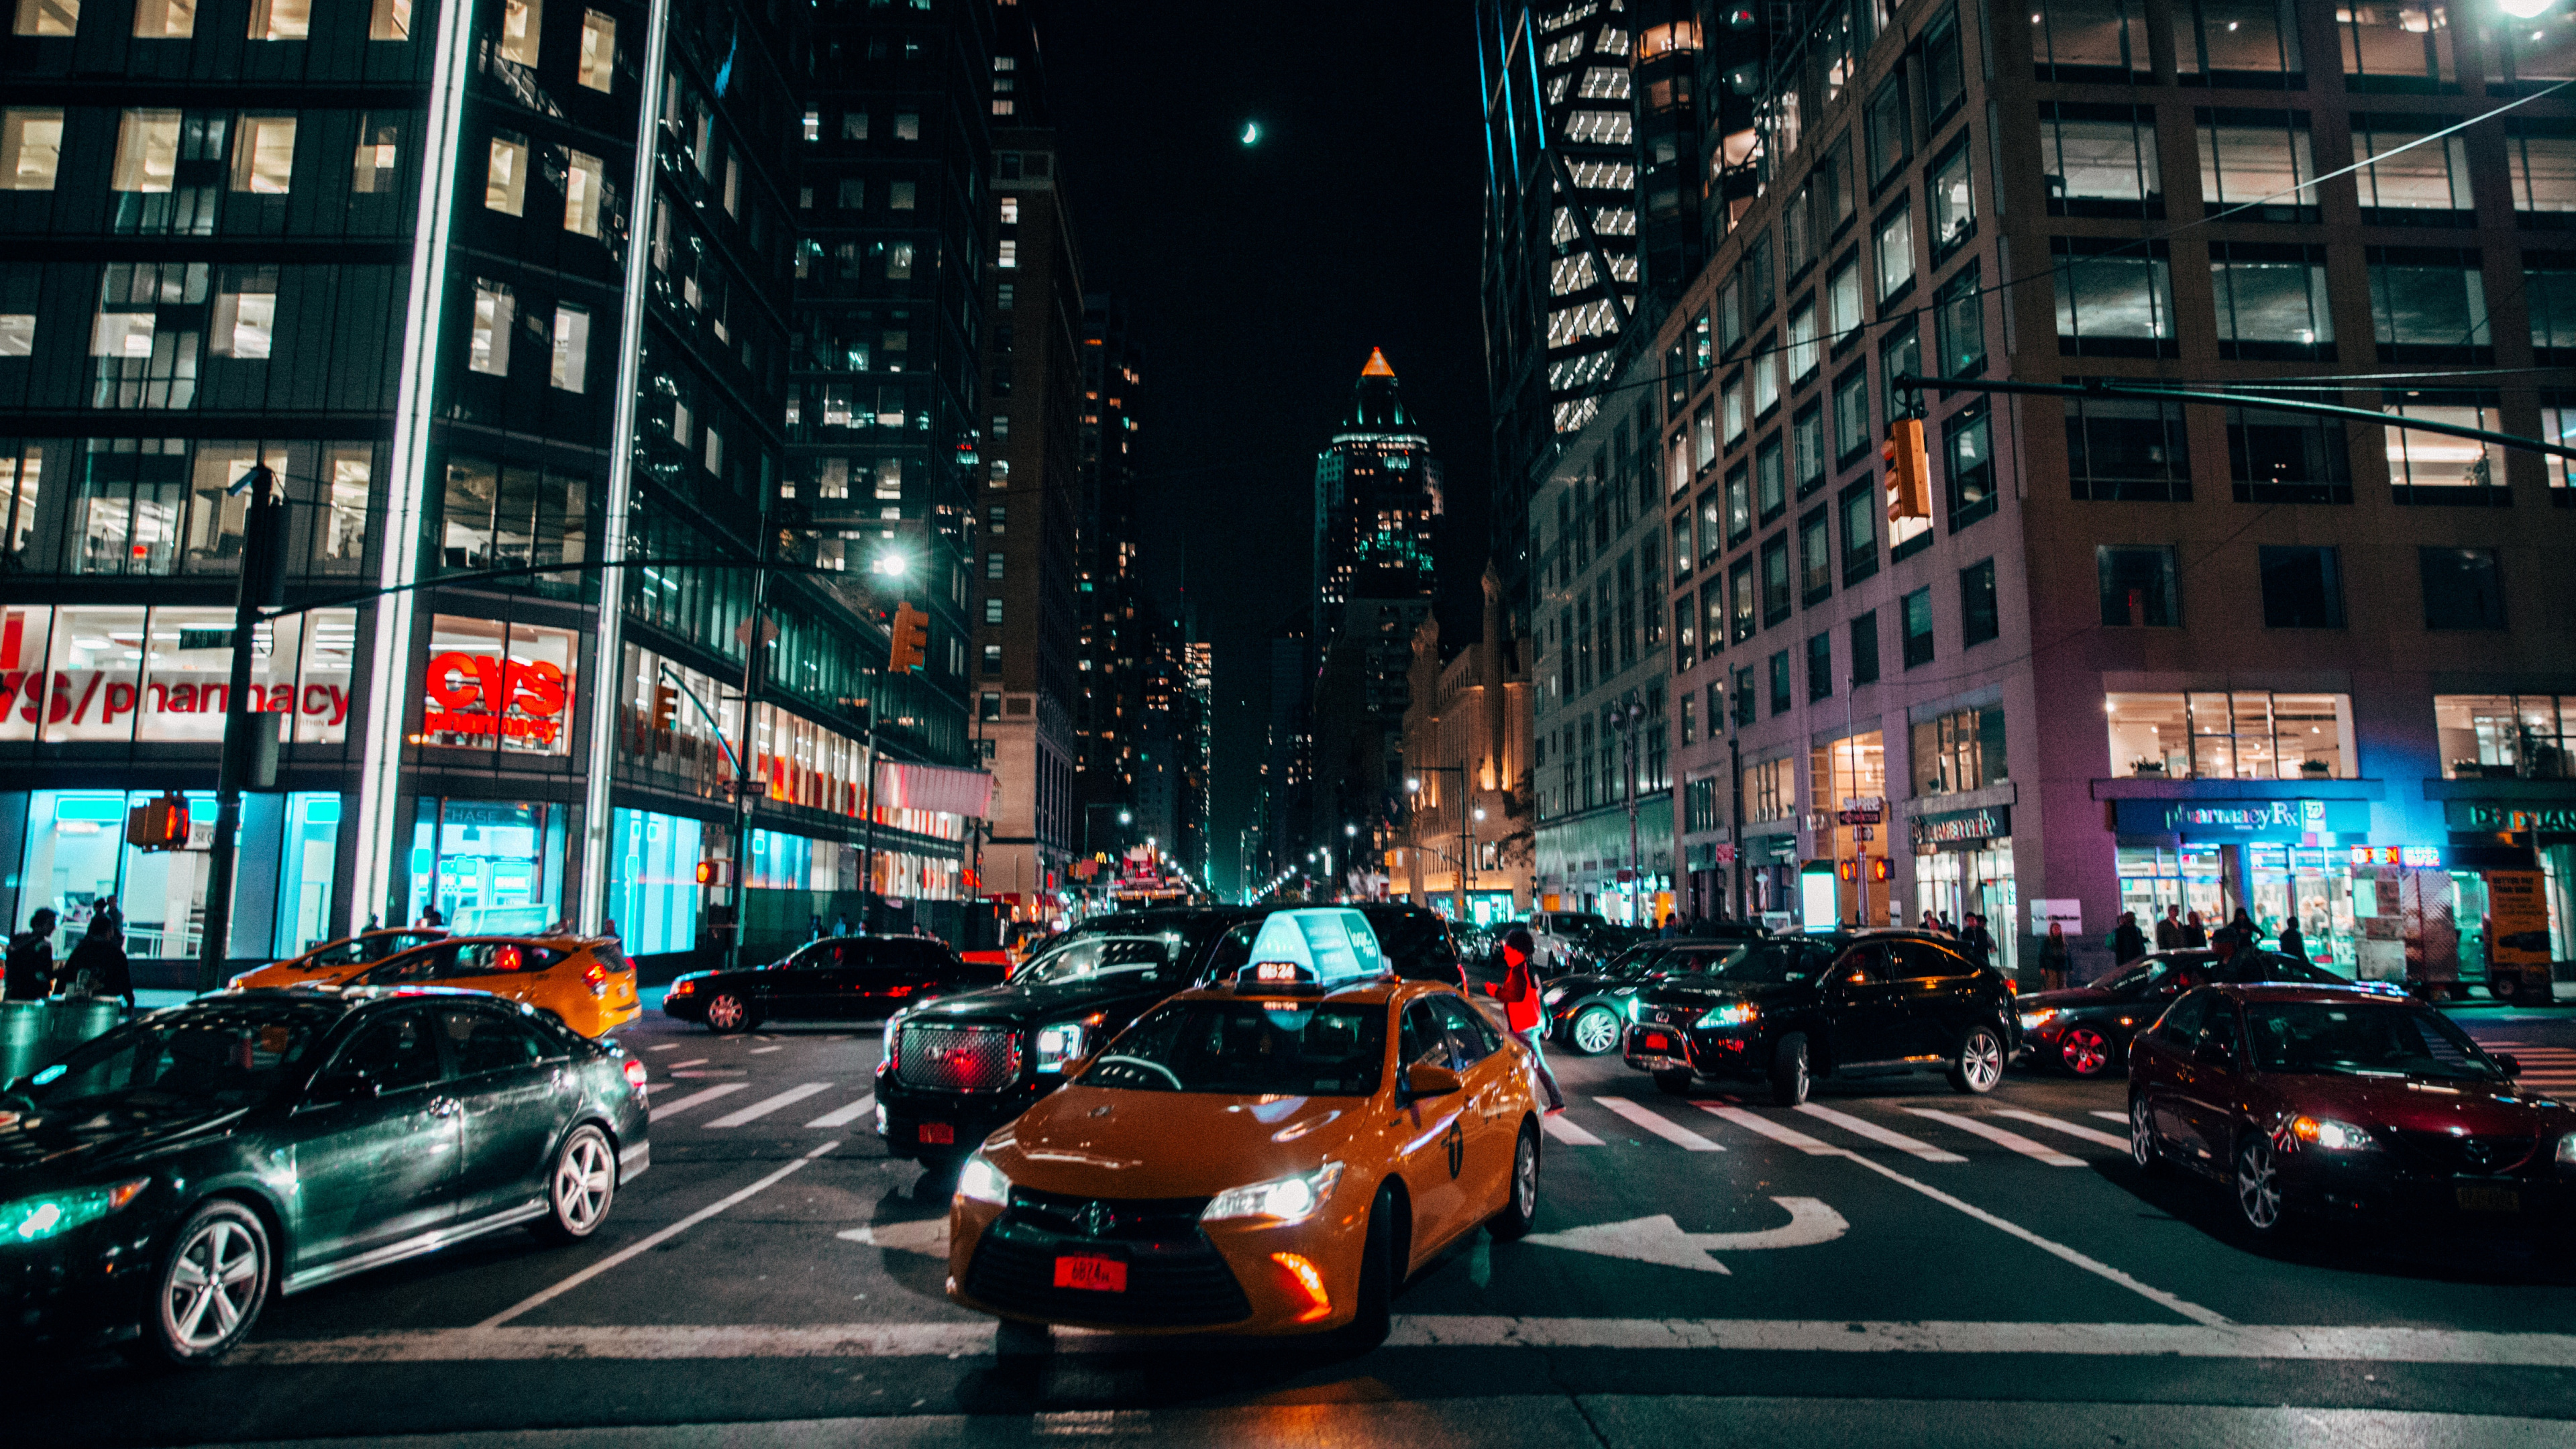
666 708
715 872
1847 869
911 639
1878 868
160 823
1909 470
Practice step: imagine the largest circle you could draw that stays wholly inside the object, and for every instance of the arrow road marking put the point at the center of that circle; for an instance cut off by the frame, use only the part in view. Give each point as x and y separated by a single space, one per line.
764 1107
1863 1128
844 1116
2001 1138
1567 1132
1671 1132
1785 1136
697 1099
926 1236
1660 1240
2089 1134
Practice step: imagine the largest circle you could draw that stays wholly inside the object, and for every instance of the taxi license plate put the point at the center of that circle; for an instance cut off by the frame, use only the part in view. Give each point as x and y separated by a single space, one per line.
2490 1200
939 1132
1091 1273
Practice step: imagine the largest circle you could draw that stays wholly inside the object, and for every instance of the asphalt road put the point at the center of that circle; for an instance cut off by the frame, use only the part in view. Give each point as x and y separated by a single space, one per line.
1893 1264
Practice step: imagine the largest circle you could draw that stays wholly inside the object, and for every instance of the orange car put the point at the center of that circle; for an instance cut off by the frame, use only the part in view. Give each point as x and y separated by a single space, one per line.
339 960
588 984
1271 1157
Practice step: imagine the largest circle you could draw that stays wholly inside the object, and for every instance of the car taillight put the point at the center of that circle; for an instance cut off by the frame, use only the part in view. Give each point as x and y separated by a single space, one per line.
635 1074
594 977
683 988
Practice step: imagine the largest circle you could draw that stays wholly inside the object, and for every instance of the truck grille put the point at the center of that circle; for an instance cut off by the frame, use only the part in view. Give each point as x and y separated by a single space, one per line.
961 1058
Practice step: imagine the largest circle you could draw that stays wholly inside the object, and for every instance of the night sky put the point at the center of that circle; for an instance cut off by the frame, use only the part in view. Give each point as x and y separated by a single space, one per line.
1259 277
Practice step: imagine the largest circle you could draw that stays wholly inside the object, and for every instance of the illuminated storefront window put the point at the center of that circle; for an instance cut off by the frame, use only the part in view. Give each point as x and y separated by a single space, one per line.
2243 735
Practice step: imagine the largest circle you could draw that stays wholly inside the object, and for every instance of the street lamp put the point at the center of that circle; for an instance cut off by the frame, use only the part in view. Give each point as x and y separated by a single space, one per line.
1413 786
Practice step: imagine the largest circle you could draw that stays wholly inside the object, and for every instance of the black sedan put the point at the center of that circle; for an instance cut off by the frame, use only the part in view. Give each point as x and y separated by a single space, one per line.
839 978
2086 1029
160 1183
1862 1004
1587 1009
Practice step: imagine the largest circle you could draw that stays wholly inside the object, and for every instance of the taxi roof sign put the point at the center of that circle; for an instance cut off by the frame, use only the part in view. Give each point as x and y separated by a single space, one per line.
1328 945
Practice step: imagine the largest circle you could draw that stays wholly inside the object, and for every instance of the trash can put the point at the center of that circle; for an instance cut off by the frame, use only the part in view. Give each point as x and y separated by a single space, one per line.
26 1037
78 1018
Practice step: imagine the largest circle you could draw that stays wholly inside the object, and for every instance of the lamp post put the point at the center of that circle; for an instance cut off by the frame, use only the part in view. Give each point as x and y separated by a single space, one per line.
1413 786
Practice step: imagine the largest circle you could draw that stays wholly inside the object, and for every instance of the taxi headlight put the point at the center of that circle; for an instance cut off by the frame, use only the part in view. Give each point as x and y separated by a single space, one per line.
1740 1013
1064 1042
981 1181
2034 1020
34 1219
1281 1200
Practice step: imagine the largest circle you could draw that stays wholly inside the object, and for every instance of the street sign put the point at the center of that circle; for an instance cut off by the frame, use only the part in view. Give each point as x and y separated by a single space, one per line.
1863 832
1866 816
1660 1240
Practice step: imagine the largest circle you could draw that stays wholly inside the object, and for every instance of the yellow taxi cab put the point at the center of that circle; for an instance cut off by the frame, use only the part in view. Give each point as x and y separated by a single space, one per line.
339 960
587 982
1274 1156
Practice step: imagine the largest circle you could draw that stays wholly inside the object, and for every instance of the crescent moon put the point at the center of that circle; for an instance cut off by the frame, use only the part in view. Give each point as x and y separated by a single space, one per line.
1251 132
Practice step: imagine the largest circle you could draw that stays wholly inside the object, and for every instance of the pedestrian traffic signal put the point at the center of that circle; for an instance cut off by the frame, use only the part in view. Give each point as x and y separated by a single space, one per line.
1909 470
1847 869
910 640
715 872
160 823
1878 868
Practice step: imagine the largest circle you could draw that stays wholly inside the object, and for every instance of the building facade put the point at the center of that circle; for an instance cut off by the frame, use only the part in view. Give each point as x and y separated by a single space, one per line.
2123 652
1469 833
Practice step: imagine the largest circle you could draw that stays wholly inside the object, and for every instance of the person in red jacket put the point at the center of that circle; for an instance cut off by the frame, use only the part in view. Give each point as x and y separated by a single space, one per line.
1519 995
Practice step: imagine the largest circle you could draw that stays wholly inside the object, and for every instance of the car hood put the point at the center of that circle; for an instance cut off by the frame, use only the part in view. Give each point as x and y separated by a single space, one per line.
1029 1004
2467 1108
2066 1000
1103 1142
37 1146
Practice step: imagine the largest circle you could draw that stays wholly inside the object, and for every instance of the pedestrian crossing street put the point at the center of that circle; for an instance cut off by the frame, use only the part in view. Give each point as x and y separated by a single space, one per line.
2549 1068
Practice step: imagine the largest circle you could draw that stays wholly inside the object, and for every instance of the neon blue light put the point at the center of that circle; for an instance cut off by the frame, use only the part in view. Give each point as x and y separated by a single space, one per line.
1538 112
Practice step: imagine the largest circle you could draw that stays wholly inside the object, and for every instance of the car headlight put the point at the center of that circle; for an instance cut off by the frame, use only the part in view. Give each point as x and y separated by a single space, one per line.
2034 1020
981 1181
1064 1042
2330 1134
1739 1013
34 1219
1281 1200
1552 996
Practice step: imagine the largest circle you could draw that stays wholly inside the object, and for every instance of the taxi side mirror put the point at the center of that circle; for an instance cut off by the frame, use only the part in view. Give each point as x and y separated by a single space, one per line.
1425 1080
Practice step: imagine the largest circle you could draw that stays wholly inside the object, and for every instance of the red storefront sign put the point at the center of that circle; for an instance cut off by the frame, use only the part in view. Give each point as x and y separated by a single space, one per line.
485 696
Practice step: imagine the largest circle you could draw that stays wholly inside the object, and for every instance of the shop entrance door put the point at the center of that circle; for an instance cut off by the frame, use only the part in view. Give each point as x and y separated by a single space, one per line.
491 867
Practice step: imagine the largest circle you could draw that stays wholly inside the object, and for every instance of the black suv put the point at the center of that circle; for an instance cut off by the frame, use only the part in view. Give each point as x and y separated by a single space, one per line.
1841 1004
956 1070
1587 1008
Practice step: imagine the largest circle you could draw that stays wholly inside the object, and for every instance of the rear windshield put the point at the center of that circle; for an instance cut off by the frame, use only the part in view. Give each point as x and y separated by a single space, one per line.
1085 957
2363 1039
1249 1048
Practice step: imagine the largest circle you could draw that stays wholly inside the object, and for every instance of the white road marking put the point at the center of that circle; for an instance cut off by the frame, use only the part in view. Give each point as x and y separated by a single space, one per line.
668 1046
1785 1136
2120 1117
671 1342
761 1051
926 1236
1661 1241
767 1105
694 1099
844 1116
1567 1131
1862 1127
1671 1132
691 1062
1998 1136
651 1241
2089 1134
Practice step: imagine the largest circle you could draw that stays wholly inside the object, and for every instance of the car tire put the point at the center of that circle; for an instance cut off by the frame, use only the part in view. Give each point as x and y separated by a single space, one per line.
1594 1030
1790 1079
580 1188
2144 1150
2254 1177
728 1013
2085 1052
1977 1064
1373 1306
1673 1083
1520 1196
210 1289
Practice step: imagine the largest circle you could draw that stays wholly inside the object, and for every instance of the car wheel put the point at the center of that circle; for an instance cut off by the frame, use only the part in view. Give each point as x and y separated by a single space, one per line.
2144 1149
1594 1030
2258 1184
1790 1081
1373 1304
580 1189
1979 1063
1674 1083
212 1286
1520 1205
727 1012
2085 1051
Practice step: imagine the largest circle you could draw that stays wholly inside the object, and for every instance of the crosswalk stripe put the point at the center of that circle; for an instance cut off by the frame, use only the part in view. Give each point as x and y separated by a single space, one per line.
844 1116
1882 1136
668 1046
763 1051
691 1062
2000 1137
694 1099
2119 1117
2089 1134
1569 1133
1785 1136
1672 1132
763 1108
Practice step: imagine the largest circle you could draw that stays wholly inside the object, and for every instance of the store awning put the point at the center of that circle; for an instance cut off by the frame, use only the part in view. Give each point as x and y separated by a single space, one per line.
933 787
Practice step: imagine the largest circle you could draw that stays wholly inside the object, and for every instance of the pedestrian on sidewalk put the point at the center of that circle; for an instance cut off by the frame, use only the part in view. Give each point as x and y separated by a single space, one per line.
2052 958
2294 942
31 958
2169 929
97 966
2247 933
2195 935
2128 943
1519 995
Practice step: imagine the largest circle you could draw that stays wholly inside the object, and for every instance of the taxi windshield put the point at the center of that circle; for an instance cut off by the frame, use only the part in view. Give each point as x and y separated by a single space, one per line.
1249 1048
1080 959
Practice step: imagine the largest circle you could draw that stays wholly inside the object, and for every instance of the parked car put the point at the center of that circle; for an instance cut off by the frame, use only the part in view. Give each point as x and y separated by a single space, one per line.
839 978
160 1183
2335 1102
1587 1008
2085 1030
1837 1004
588 984
1557 938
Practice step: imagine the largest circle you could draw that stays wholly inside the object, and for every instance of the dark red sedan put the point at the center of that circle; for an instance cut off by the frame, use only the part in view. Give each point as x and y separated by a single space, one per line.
2338 1102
